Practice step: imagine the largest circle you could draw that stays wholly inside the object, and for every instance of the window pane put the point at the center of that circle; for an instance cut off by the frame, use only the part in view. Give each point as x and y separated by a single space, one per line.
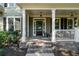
78 22
17 24
10 22
70 23
5 4
57 24
4 23
75 22
11 4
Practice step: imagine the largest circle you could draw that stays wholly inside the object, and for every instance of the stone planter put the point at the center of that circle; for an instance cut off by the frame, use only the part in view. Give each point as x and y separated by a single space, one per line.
2 51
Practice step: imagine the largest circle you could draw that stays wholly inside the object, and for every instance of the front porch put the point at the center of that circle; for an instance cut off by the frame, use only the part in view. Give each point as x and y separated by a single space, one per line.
48 25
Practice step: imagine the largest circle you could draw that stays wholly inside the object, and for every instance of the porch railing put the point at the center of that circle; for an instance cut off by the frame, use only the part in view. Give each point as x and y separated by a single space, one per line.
65 35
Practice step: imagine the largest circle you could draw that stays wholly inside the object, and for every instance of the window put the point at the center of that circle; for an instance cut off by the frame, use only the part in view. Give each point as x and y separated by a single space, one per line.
70 23
17 24
5 4
75 22
4 23
57 23
11 5
14 23
78 22
63 23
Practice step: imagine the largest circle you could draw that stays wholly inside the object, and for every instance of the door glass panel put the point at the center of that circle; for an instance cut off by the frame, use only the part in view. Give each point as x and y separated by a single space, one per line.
43 24
39 28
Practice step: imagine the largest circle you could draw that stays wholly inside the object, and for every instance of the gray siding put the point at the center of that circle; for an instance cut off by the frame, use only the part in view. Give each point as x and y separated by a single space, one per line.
30 27
48 25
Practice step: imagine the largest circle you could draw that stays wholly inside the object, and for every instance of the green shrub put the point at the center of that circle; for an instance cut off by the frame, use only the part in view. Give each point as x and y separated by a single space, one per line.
13 36
3 39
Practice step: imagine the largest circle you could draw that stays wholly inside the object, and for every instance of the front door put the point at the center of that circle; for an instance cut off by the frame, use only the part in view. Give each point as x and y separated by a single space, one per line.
39 27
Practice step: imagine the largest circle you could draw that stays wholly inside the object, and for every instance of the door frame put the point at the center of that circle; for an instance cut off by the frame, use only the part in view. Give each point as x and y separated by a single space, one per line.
34 25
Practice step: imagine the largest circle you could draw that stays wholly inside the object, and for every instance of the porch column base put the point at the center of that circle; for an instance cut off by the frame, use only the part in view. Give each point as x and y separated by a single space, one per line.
76 37
22 43
23 39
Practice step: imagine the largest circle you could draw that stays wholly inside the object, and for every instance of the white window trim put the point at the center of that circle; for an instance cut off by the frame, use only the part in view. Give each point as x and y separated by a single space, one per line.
7 28
67 22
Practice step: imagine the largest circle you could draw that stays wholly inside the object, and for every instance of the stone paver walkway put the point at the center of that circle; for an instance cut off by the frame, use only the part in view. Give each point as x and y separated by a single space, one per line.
40 48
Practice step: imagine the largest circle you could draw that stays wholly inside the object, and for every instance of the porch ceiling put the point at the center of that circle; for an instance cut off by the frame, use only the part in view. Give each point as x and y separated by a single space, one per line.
48 5
38 12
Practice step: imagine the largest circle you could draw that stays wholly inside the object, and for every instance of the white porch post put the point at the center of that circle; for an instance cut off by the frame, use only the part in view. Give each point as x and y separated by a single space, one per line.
7 24
53 26
23 26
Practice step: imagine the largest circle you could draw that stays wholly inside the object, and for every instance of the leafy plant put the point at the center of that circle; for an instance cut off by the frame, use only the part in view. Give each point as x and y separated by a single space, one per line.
3 39
13 36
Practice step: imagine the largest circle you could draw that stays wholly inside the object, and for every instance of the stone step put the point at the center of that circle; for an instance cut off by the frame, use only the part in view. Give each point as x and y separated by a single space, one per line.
45 50
42 54
40 49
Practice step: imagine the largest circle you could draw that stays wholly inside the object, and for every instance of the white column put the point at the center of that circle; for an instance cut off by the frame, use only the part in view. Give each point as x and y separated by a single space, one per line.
7 24
23 26
27 25
53 26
